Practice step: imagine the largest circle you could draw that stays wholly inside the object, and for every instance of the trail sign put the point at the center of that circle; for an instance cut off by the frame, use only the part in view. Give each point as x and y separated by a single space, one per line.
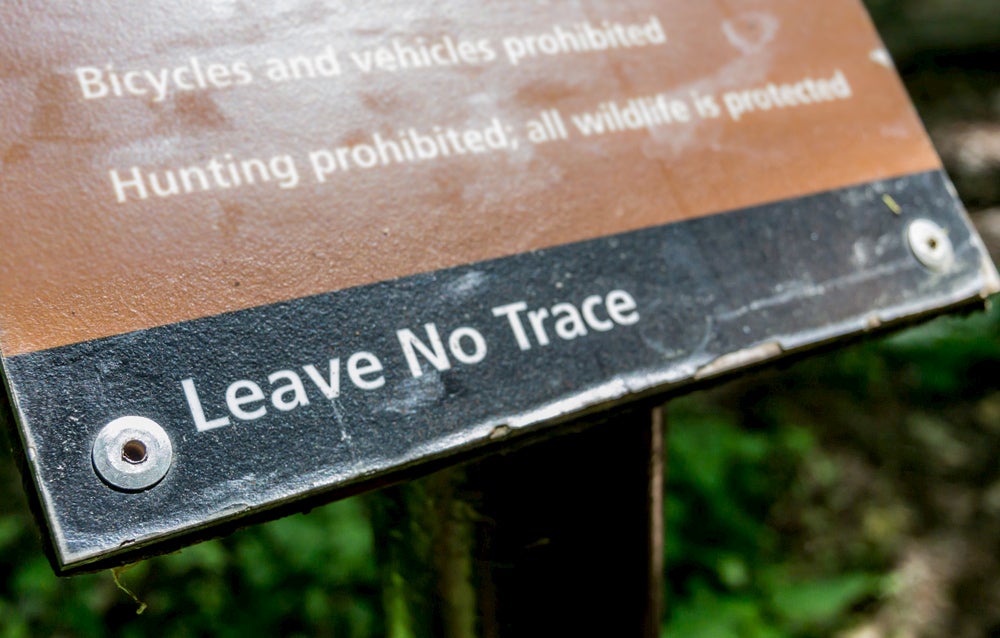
260 253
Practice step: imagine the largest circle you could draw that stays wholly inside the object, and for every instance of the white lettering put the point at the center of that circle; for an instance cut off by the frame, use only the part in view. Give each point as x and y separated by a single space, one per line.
511 311
197 412
434 354
241 393
331 388
478 345
588 314
571 322
91 81
293 387
622 308
362 364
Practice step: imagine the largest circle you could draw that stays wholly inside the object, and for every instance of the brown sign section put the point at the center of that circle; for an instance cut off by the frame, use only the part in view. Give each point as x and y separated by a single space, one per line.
168 162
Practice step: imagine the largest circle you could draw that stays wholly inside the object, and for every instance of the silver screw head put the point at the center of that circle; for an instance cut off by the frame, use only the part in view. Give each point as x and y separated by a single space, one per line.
132 453
930 244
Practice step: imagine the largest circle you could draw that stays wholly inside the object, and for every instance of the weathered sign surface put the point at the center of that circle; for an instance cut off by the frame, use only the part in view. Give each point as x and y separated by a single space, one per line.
254 253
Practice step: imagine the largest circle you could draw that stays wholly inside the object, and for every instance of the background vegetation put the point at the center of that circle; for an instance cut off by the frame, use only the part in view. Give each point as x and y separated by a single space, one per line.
853 494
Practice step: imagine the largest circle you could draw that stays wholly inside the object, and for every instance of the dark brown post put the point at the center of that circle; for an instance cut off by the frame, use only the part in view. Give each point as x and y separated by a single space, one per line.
559 537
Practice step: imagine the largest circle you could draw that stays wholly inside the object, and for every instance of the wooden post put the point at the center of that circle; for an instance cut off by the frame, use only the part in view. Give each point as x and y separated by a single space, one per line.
560 537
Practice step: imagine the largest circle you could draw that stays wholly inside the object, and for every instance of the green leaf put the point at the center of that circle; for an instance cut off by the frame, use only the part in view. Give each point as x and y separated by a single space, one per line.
821 601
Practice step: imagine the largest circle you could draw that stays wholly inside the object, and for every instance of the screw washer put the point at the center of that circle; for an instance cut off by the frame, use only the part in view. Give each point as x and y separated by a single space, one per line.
930 244
109 455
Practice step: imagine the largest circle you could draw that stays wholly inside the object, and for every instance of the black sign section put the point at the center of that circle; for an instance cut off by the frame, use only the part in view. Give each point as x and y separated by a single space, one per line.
159 436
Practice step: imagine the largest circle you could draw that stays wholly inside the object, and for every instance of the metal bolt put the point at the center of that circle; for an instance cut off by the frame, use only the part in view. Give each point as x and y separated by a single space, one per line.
132 453
930 244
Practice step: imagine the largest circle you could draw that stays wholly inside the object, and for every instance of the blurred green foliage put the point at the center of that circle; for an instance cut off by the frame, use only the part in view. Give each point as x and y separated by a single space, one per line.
306 575
776 526
732 572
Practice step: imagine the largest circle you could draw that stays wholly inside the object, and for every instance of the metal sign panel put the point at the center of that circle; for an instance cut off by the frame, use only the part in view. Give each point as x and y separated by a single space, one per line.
259 253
